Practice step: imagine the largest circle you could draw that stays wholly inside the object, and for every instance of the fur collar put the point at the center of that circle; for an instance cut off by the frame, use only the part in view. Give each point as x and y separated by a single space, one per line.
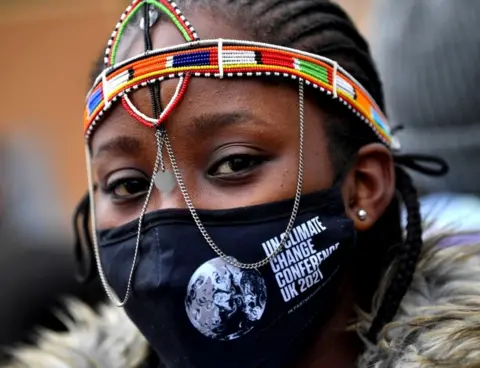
438 324
106 339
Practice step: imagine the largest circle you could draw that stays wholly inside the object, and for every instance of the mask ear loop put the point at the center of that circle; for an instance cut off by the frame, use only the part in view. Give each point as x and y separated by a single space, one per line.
108 289
296 204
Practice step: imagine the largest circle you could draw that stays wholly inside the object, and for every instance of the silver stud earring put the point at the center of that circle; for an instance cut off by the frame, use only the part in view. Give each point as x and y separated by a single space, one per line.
362 214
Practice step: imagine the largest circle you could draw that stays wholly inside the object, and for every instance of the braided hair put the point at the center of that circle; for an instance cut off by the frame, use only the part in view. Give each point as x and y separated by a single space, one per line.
323 28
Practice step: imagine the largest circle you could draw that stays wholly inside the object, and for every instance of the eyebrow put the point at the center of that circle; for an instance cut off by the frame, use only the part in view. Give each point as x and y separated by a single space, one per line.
119 145
212 121
206 122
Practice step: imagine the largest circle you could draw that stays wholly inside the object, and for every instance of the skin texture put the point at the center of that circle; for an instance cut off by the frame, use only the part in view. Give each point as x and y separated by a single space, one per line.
216 121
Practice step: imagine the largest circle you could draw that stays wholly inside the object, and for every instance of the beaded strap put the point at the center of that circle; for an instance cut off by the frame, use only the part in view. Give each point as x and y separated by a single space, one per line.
231 59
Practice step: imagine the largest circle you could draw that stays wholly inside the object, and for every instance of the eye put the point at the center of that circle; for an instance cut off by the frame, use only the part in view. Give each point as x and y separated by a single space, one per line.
235 165
127 188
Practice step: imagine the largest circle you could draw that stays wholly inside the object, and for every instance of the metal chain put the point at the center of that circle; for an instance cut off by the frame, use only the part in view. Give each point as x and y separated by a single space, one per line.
160 143
108 289
296 204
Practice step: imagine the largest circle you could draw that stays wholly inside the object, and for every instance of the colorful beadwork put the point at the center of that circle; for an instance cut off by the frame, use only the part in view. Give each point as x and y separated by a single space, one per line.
149 122
166 6
217 59
229 59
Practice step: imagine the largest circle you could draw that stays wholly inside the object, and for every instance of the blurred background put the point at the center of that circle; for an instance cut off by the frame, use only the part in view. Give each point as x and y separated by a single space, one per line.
47 50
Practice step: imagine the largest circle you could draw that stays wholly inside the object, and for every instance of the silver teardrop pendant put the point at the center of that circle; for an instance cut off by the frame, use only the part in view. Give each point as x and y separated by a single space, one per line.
165 181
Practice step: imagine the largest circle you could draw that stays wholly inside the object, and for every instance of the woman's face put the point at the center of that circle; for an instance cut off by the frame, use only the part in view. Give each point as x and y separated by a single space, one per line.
236 142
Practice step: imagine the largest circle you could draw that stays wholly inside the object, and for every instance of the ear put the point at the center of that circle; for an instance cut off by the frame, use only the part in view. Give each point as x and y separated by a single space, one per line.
369 185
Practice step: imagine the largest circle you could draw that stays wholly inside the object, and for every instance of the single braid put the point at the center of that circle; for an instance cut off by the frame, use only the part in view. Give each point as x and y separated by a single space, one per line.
407 256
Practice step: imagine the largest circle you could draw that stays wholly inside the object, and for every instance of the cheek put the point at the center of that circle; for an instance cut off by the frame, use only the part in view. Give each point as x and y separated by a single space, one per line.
105 217
110 216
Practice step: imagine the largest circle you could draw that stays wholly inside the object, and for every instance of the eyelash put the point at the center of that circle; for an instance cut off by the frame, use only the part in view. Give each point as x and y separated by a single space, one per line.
110 189
254 161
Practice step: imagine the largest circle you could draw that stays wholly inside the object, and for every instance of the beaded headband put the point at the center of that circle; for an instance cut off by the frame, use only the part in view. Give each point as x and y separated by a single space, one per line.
218 59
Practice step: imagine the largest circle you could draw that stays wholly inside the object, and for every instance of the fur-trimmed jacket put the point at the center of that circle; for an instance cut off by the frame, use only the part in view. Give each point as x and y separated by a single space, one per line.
437 325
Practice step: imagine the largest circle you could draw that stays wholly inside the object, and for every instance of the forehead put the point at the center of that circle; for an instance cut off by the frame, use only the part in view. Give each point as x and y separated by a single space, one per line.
272 106
213 107
203 93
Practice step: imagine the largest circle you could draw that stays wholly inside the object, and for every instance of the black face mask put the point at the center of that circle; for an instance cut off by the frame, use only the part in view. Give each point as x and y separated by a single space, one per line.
196 310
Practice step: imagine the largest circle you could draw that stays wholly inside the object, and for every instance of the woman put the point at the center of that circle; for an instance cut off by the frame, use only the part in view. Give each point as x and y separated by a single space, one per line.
244 213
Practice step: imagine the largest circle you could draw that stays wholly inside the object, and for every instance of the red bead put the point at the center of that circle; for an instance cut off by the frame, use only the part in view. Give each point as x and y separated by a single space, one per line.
134 115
